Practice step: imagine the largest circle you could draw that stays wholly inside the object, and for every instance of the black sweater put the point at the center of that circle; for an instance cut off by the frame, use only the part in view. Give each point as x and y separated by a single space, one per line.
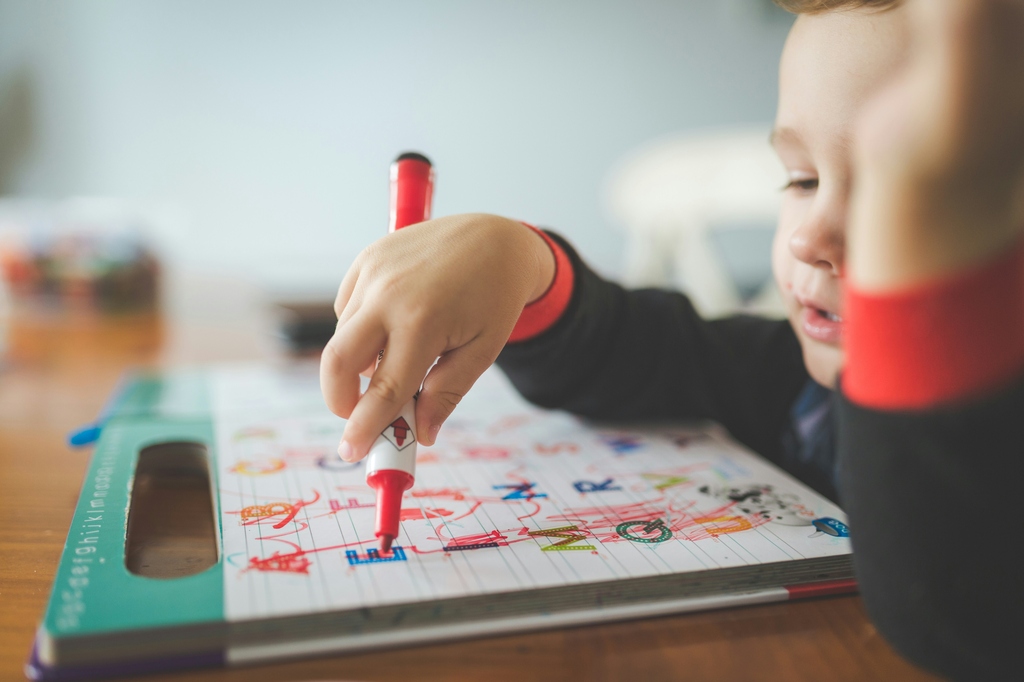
929 494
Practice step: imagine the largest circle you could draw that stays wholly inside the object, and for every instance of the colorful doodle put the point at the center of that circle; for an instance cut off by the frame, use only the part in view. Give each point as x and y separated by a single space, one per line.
456 494
830 526
570 536
417 514
592 487
520 491
665 482
373 556
622 444
296 562
350 503
556 449
260 511
486 453
628 531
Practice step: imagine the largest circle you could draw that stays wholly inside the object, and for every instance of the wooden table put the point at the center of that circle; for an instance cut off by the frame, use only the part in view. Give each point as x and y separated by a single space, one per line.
57 374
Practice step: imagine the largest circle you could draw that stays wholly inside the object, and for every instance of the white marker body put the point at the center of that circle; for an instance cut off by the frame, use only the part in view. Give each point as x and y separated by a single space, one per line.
387 453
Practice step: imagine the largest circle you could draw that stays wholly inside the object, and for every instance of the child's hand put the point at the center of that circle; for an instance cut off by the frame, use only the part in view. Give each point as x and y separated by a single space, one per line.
940 151
449 290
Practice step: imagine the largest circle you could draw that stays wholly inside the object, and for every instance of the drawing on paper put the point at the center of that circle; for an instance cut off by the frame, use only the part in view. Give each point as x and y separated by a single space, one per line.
509 497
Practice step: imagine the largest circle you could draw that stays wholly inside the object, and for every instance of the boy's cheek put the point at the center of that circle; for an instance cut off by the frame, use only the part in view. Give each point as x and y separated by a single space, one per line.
783 263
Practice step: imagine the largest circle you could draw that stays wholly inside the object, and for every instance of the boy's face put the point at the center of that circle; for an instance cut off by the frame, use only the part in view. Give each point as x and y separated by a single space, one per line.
831 63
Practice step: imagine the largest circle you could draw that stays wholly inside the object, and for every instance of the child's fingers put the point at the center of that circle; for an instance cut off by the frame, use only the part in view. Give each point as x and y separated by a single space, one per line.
353 347
345 289
448 382
394 383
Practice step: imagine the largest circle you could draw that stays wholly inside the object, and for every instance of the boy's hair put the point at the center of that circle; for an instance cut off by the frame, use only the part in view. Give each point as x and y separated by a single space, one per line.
816 6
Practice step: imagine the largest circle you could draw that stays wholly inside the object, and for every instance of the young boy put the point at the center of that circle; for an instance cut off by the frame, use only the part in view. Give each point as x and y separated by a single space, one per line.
898 253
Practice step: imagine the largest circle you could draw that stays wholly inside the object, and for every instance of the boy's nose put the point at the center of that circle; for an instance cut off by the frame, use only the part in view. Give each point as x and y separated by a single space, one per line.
821 242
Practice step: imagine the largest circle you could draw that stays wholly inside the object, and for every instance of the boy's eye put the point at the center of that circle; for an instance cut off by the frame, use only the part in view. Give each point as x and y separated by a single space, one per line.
803 184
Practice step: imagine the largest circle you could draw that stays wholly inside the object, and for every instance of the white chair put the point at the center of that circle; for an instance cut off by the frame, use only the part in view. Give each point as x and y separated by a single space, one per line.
699 210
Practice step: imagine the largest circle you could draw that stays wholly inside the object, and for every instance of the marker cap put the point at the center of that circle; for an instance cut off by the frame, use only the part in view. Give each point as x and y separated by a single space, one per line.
412 188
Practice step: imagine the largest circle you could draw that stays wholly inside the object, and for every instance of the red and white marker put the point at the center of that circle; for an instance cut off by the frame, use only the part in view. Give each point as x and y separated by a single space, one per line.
391 463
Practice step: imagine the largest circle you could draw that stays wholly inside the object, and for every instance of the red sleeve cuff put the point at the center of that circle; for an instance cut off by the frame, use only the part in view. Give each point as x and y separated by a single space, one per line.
540 315
940 342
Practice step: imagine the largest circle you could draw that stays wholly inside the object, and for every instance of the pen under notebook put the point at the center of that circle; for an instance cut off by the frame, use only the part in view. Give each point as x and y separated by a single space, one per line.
391 462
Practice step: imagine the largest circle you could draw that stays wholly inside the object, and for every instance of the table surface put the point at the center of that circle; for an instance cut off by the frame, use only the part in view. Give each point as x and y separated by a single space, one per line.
58 371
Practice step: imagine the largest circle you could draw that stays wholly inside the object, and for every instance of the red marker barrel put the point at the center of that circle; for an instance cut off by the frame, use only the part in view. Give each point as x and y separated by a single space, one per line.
412 187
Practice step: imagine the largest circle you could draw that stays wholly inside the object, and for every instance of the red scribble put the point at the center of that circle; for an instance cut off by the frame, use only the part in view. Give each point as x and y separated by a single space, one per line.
444 524
454 493
428 457
306 453
416 514
536 510
601 521
296 562
479 539
486 452
302 525
509 423
350 503
555 448
295 510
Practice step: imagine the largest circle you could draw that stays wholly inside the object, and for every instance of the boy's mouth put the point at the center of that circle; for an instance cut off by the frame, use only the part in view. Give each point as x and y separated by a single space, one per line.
821 325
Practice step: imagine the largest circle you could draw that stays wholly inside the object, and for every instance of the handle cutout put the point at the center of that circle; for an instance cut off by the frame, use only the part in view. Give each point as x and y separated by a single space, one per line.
171 526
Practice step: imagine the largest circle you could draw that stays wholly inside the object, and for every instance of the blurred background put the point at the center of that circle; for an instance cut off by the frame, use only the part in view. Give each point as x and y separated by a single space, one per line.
250 140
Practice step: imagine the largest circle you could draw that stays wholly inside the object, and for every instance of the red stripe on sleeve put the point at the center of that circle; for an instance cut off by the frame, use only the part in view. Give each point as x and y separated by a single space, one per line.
940 342
539 316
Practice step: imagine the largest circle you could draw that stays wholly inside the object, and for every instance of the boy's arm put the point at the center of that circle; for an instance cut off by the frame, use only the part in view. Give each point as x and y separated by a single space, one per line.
931 448
932 420
616 354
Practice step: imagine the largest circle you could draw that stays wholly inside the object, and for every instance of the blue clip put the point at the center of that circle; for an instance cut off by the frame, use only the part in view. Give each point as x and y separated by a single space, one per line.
87 435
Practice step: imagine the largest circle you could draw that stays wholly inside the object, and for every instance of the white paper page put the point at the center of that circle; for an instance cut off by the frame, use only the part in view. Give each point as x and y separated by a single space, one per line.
511 497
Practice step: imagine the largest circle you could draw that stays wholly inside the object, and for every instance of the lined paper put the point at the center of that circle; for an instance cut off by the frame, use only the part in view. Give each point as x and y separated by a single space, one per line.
510 498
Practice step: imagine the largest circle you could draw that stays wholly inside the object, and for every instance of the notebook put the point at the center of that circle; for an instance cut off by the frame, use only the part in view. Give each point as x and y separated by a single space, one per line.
520 519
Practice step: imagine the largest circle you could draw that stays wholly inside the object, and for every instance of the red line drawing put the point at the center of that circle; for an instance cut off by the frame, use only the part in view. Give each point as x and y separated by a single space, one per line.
536 510
296 562
350 503
509 423
454 493
602 521
295 510
495 538
416 514
556 448
486 452
428 457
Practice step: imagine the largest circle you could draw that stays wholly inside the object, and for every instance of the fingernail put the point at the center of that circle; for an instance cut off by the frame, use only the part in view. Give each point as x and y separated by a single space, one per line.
432 433
345 451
